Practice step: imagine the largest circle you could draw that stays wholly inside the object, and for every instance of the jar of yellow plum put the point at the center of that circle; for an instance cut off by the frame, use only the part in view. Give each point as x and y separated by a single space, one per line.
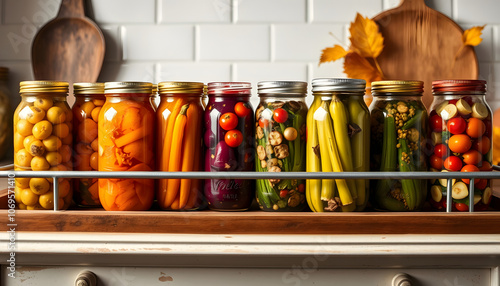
89 99
126 127
42 142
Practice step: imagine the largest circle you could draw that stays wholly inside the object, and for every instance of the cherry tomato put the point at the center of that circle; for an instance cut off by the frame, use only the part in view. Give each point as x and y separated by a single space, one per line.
453 163
475 128
459 143
436 123
440 150
228 121
485 166
436 162
472 157
242 109
456 125
263 123
283 193
480 184
482 145
233 138
280 115
302 188
469 168
462 207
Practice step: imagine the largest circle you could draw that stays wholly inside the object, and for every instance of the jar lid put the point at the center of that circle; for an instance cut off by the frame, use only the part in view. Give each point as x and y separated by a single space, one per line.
285 88
154 89
397 86
88 88
39 86
457 85
227 88
128 87
180 87
338 84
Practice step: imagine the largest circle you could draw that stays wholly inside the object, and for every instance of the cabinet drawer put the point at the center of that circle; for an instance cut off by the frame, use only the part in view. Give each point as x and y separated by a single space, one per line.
114 276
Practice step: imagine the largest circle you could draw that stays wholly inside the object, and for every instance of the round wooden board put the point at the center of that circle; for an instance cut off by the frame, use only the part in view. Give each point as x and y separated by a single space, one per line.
420 44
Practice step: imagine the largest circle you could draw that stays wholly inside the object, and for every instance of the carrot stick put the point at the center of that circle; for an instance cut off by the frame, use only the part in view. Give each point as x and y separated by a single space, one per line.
190 149
175 204
174 163
195 187
169 134
130 137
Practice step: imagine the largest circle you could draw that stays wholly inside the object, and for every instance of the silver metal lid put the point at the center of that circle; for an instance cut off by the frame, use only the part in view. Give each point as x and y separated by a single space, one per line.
338 84
287 88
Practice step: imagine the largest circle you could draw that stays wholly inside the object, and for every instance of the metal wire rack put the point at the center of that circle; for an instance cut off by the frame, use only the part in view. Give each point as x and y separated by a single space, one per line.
449 176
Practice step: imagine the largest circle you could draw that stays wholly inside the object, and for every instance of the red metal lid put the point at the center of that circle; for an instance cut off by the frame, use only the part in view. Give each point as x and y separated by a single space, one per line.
457 85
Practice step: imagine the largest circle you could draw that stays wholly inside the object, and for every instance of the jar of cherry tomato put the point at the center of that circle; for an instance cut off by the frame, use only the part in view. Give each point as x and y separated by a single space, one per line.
461 128
43 142
229 137
89 99
398 138
338 130
179 148
280 138
126 143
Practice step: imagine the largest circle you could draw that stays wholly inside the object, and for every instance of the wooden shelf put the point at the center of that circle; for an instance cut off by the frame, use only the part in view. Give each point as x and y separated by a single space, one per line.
254 222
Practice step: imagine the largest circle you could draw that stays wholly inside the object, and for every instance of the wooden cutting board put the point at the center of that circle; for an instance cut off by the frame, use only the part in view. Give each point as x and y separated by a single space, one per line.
420 44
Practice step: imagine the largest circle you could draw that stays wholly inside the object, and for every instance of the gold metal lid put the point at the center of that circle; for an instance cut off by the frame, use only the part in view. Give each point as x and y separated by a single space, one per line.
154 89
88 88
180 87
39 86
397 86
128 87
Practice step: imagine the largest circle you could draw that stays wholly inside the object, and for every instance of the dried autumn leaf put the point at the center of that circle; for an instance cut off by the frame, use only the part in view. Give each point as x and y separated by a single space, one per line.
356 66
472 36
365 37
332 54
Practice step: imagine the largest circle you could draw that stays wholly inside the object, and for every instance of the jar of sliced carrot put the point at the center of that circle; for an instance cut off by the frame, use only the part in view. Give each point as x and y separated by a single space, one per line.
89 101
42 142
229 138
126 127
179 121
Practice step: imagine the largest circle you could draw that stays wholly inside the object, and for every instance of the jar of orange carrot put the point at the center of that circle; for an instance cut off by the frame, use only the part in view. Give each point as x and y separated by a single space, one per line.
89 99
126 127
179 146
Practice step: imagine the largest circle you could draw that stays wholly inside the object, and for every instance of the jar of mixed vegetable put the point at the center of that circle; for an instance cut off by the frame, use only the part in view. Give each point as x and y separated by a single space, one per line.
398 138
337 140
179 148
461 126
280 138
126 143
89 99
229 137
43 142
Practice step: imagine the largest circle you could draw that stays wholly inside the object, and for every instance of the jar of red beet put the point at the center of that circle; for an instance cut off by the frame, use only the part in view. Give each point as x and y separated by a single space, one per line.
229 126
461 126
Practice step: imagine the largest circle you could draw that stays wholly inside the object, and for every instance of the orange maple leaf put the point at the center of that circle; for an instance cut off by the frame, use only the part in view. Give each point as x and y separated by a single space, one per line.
356 66
332 54
472 36
365 37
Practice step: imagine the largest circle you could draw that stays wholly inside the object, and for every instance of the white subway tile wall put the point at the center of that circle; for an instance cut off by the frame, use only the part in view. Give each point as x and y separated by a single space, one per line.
223 40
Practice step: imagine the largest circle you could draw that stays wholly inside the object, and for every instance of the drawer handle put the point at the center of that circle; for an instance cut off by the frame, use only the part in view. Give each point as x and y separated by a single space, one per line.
86 278
401 279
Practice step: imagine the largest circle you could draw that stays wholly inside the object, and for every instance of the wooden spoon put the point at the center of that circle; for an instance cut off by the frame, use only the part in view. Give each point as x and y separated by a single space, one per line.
68 48
421 44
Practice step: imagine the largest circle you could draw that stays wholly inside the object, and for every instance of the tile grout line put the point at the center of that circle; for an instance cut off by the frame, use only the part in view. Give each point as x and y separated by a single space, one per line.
309 11
158 11
122 34
197 44
234 11
272 43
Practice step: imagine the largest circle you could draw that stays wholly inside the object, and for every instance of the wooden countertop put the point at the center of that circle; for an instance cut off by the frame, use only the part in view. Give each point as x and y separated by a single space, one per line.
253 222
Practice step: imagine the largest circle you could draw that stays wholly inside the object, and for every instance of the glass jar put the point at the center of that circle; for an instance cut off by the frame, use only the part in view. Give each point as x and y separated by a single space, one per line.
89 99
126 143
281 143
338 140
5 115
179 146
42 142
461 129
398 138
229 125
